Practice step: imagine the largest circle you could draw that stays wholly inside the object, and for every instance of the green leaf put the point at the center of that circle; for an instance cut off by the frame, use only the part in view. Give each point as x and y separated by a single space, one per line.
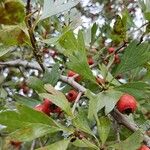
119 30
58 7
60 145
32 131
36 84
69 42
22 117
3 93
103 125
84 143
139 89
57 98
147 16
134 56
145 126
12 124
93 33
12 12
107 99
4 50
107 75
30 102
81 122
127 19
30 115
13 35
53 76
75 50
92 112
134 142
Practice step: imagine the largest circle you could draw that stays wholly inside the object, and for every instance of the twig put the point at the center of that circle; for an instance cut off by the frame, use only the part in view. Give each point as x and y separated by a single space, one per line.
76 101
31 34
140 27
73 83
33 145
23 63
40 142
122 46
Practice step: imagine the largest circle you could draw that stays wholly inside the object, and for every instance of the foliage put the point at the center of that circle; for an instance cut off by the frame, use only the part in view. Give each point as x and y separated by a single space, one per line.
41 41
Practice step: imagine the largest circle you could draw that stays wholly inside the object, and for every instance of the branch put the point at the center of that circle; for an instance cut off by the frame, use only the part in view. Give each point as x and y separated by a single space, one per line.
23 63
73 83
76 101
122 119
31 35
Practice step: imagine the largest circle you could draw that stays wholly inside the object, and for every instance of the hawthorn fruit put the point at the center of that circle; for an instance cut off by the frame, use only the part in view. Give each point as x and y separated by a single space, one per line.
72 95
71 74
111 50
127 104
44 107
90 60
144 147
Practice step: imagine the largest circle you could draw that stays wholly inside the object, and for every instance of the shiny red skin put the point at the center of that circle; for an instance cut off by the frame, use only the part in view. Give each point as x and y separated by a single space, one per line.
117 59
90 61
72 95
48 107
111 50
47 102
44 107
71 74
126 102
16 144
144 147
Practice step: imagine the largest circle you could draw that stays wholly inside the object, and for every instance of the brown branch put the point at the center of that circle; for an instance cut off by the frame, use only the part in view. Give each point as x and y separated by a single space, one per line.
31 35
23 63
122 119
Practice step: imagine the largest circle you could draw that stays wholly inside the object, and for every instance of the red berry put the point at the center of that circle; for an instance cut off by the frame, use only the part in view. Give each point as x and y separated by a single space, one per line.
71 74
47 102
16 144
127 104
90 60
117 59
72 95
44 107
111 50
144 147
